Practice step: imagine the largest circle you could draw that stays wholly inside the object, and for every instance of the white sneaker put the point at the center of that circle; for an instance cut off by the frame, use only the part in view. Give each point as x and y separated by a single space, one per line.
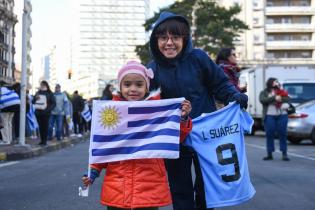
79 135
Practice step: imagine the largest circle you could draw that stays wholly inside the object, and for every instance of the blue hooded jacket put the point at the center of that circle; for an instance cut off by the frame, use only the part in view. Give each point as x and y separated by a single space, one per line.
192 74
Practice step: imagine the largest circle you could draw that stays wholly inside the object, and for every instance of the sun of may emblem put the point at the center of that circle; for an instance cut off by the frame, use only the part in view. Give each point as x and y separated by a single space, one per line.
109 117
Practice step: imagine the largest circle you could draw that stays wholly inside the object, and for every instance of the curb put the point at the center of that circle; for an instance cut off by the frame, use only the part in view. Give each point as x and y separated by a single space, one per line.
30 152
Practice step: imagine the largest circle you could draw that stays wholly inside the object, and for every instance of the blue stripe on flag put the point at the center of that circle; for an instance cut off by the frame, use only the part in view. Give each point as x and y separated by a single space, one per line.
87 114
158 120
136 135
130 150
10 99
148 110
8 93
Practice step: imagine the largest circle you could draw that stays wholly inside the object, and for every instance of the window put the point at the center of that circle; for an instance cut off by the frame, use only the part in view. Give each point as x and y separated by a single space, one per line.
256 38
289 54
289 37
255 21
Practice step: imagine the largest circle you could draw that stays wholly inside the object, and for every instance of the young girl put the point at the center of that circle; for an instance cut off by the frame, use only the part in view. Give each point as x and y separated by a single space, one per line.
142 183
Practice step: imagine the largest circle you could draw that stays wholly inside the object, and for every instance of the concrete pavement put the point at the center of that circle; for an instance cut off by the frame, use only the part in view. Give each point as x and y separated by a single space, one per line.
32 149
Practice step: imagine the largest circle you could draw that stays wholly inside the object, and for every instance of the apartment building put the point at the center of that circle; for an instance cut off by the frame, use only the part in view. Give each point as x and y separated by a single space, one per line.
282 32
7 22
108 33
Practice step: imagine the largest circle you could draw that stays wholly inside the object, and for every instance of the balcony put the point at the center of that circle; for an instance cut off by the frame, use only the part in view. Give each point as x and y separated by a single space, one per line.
290 45
289 10
300 28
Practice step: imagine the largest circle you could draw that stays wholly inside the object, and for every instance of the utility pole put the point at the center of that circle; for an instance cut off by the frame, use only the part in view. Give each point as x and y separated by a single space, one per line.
23 76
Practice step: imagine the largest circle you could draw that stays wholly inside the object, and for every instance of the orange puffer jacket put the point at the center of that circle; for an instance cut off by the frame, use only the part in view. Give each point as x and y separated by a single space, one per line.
137 183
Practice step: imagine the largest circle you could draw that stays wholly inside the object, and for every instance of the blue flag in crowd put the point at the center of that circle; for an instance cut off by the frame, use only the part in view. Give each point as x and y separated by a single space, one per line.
31 118
123 130
8 98
86 114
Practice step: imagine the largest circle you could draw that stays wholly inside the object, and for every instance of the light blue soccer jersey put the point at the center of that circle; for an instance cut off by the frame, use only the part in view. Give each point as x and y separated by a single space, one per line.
218 139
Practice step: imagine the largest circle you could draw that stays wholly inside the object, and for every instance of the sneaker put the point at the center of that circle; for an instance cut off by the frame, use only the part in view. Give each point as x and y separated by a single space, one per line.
285 158
268 158
79 135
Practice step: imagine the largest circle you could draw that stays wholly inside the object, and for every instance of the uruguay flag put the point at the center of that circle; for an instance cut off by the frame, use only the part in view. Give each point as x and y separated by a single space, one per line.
123 130
31 118
86 114
8 98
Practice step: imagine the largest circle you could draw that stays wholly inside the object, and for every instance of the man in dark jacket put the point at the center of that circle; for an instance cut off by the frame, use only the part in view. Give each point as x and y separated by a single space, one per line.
182 71
78 106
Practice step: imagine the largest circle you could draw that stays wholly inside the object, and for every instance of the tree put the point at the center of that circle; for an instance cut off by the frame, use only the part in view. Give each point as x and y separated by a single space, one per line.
216 26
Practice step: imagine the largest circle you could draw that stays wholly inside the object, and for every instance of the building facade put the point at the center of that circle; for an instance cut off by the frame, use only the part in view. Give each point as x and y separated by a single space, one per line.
282 32
52 67
7 22
108 33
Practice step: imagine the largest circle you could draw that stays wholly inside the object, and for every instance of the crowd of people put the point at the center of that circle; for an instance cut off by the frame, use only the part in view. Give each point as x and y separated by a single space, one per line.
49 115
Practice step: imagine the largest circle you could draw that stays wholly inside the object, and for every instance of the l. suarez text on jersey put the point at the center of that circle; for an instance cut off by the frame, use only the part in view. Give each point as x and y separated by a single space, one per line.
220 132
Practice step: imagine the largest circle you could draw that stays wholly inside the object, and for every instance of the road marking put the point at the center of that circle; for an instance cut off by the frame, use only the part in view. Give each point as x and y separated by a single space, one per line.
289 153
9 164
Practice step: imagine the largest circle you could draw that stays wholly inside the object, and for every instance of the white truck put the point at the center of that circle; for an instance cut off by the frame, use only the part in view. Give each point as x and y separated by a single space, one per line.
299 81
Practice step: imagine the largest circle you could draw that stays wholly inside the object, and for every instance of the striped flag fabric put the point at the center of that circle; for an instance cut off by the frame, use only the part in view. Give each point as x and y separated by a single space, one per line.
31 118
8 98
86 114
124 130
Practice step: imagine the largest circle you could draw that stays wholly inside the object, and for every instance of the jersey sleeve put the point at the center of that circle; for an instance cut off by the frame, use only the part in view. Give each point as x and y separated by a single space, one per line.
246 121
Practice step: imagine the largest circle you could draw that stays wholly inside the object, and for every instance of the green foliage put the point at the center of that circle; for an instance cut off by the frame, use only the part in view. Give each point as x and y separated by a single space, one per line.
216 26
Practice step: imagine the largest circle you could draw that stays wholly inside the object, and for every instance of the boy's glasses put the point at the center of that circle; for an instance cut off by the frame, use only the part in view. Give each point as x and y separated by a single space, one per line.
165 38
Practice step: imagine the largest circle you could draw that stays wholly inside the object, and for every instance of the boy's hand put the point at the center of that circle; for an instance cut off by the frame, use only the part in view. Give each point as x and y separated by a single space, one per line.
86 181
186 109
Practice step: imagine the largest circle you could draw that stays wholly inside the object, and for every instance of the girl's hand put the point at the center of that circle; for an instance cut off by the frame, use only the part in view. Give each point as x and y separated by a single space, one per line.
86 181
186 109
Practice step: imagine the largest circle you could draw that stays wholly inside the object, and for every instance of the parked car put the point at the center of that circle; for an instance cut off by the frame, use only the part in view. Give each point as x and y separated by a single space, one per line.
301 125
300 91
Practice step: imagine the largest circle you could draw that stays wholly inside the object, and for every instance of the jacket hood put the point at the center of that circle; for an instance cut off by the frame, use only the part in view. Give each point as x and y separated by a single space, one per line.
154 51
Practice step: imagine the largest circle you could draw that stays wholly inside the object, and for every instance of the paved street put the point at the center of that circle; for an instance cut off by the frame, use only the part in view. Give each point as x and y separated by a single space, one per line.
51 182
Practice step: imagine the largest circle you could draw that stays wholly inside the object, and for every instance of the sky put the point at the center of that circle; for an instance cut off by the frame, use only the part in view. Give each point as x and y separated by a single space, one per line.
52 23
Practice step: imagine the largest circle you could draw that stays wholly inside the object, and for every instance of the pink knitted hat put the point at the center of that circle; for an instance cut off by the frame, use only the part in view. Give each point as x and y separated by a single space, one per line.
134 67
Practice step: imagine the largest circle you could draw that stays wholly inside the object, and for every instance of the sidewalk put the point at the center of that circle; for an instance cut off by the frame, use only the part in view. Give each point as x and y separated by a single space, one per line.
31 149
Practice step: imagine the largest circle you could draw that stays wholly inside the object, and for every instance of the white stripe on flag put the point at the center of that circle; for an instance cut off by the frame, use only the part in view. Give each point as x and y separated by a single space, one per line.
135 129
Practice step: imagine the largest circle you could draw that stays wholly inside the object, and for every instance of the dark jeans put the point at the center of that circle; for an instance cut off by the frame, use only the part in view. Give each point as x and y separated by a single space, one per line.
65 129
43 122
16 123
148 208
77 123
181 184
276 124
58 121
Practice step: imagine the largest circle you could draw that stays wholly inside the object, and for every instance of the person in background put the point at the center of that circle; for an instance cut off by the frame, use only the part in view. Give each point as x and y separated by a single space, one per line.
144 185
78 106
9 104
275 117
107 92
44 102
184 71
32 123
226 59
67 120
58 113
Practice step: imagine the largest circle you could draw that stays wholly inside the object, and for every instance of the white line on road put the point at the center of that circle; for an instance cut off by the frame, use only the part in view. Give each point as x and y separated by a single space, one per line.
9 164
289 153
